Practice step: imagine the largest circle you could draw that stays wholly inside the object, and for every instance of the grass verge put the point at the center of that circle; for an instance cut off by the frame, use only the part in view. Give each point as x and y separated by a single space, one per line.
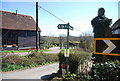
19 51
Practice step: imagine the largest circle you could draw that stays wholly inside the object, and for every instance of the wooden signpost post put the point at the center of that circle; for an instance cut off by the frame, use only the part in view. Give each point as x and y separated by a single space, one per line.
66 26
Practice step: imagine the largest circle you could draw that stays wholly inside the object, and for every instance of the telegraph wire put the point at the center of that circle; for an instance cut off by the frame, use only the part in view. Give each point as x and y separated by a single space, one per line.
51 14
79 30
58 17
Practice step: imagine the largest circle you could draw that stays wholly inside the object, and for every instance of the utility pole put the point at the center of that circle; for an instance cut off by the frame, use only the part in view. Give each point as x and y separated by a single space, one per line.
67 50
37 42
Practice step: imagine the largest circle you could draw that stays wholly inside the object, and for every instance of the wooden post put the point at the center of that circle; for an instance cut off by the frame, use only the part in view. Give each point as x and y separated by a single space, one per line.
37 42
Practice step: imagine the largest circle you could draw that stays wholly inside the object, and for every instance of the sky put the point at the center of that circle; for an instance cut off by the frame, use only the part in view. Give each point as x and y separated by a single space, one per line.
78 13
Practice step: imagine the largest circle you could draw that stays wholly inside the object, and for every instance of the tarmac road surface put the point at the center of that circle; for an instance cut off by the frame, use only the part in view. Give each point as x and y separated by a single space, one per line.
53 50
33 73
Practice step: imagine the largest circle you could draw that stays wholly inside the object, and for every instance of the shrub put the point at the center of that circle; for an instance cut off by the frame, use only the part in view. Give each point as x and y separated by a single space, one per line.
108 71
16 60
78 49
11 59
39 60
50 57
76 58
26 61
12 62
12 67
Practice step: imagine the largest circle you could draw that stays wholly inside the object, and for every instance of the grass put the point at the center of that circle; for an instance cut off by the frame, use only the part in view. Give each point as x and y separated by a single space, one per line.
14 51
20 51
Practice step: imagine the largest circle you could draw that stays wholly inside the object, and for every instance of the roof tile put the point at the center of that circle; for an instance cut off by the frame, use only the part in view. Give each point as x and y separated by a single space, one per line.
15 21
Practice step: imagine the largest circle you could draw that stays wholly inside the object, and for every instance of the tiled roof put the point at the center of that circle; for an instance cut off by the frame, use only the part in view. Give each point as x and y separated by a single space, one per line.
15 21
116 25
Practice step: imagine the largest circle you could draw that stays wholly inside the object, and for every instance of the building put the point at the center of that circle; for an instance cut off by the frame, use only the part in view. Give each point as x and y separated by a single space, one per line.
116 27
18 31
116 34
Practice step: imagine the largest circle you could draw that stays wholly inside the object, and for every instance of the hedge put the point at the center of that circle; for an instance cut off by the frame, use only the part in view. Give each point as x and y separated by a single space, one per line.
108 71
75 59
15 62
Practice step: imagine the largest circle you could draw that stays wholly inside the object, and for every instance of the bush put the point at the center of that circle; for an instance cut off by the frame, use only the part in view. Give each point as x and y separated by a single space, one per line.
78 49
50 57
37 58
12 59
76 58
108 71
13 62
12 67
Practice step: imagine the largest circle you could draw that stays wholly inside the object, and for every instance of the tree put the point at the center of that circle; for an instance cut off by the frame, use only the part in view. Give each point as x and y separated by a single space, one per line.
62 40
86 42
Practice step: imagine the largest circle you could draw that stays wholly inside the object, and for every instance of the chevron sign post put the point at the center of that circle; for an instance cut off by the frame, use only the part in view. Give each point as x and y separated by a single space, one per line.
107 46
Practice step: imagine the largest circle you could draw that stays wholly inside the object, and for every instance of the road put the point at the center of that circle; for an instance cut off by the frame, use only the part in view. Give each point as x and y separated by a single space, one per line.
33 73
54 50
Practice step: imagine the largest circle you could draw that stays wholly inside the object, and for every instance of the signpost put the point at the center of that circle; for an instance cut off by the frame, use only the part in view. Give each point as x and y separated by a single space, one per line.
110 46
66 26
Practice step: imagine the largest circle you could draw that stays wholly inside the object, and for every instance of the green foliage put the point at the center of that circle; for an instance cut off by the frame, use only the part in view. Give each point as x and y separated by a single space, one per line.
69 76
19 51
76 58
11 67
14 62
86 42
108 71
73 77
83 77
50 57
14 51
11 59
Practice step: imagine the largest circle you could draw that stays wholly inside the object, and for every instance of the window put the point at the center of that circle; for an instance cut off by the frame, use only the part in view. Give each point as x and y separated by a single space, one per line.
9 38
